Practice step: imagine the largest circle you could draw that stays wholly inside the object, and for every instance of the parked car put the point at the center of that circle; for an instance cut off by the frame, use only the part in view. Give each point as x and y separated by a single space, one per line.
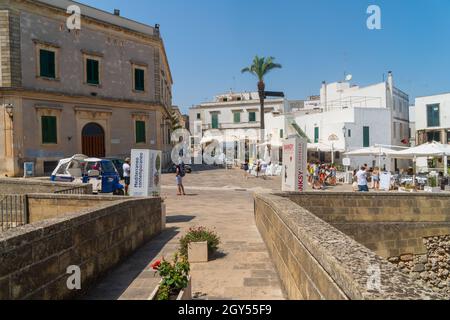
101 173
118 163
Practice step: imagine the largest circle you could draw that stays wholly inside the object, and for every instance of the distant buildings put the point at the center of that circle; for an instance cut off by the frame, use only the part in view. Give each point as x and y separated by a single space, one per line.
101 90
433 118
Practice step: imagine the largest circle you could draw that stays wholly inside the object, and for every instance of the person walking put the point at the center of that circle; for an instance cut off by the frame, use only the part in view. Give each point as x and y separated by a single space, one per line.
180 173
361 177
126 174
376 178
246 168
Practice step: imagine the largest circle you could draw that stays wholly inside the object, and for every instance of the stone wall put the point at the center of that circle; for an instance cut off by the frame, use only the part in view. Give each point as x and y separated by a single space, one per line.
316 261
34 258
27 186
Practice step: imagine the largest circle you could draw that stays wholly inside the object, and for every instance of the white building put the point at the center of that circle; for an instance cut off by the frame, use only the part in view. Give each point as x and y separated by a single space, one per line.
412 125
355 117
433 118
236 116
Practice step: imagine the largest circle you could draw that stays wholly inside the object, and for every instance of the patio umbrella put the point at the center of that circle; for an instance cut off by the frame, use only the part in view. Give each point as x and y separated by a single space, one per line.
431 149
372 151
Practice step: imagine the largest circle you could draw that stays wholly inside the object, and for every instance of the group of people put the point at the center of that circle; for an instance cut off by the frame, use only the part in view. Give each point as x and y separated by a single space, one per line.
320 175
363 176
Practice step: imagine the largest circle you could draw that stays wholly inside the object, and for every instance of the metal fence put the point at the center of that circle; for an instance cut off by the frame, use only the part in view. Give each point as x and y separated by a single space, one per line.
13 211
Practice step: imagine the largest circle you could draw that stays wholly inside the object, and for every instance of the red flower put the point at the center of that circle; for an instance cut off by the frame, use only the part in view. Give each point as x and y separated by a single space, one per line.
156 265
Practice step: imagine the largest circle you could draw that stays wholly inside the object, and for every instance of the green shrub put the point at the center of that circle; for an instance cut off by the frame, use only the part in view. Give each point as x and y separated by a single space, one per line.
200 234
175 276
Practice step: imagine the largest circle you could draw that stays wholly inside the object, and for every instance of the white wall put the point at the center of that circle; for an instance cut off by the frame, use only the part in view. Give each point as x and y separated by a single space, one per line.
421 111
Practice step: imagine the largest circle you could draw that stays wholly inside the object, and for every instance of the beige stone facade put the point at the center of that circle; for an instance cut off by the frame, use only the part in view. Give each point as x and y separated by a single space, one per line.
113 105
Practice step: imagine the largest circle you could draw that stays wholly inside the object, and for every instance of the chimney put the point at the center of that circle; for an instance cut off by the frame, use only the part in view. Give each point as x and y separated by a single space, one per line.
390 85
116 12
323 96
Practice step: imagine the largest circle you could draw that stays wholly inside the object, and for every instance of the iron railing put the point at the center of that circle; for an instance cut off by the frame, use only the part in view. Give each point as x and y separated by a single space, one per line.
13 211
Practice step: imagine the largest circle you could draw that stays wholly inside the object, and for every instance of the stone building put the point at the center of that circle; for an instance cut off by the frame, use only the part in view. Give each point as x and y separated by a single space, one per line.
100 89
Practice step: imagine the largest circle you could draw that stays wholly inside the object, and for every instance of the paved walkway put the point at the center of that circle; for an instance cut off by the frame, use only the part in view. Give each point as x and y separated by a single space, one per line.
216 199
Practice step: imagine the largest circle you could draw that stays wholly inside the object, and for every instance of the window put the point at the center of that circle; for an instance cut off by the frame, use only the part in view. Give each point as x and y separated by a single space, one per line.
434 136
281 133
366 137
316 135
49 130
252 117
349 133
448 137
140 132
433 115
47 64
198 116
92 71
237 117
139 79
215 120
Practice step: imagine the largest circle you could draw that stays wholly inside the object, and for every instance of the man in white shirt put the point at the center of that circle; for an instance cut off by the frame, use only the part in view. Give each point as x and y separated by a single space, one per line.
126 174
361 175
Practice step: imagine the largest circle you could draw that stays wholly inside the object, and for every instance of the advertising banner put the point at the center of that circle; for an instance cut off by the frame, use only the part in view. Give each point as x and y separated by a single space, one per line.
145 180
294 177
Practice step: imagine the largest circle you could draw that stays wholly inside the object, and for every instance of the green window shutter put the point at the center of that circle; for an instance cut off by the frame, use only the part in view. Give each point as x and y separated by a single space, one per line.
139 82
366 137
252 117
49 130
433 117
237 117
140 132
215 121
281 133
92 71
47 64
316 135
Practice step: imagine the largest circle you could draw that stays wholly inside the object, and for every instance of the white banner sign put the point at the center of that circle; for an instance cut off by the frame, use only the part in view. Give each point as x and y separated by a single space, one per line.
145 180
294 165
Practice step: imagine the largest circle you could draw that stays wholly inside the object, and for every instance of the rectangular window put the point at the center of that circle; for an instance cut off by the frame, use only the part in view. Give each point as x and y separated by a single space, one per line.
252 117
49 130
237 117
433 115
47 64
316 135
215 121
198 116
349 133
92 71
139 80
434 136
366 137
448 137
281 133
140 132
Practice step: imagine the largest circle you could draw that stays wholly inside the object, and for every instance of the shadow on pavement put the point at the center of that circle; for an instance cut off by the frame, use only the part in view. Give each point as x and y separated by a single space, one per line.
179 218
118 280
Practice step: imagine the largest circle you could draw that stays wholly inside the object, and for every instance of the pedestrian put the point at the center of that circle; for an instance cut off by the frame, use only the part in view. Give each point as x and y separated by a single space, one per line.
258 168
126 174
376 178
180 173
245 167
361 177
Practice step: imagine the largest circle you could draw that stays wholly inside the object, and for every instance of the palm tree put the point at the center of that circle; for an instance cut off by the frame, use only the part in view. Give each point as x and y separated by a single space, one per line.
259 68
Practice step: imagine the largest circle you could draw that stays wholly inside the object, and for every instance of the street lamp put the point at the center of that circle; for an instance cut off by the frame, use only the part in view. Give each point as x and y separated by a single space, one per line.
9 108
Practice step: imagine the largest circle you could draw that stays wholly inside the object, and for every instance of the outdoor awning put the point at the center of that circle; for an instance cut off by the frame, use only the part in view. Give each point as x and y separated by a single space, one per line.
433 149
371 151
323 147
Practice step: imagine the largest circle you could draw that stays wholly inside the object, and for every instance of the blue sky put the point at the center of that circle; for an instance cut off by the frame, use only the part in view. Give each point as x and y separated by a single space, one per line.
208 42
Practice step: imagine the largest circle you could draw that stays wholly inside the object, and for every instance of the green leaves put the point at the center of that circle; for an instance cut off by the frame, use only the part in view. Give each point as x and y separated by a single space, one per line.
175 276
200 234
261 66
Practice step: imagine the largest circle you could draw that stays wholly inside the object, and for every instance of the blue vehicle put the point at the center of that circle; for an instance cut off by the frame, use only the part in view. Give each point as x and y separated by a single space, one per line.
101 173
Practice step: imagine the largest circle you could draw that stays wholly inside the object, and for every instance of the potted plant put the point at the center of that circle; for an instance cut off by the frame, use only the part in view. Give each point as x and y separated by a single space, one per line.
199 243
175 281
433 184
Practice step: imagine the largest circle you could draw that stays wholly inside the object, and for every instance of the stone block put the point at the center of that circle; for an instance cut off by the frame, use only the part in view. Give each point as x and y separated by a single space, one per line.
198 252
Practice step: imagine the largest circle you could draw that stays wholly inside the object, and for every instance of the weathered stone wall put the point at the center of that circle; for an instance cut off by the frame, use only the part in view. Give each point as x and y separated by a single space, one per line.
432 268
317 261
34 258
380 207
27 186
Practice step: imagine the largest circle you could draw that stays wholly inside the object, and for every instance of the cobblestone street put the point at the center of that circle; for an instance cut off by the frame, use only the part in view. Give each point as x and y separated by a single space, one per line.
220 199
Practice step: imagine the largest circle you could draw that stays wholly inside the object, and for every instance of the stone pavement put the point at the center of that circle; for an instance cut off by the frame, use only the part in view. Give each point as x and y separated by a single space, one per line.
216 199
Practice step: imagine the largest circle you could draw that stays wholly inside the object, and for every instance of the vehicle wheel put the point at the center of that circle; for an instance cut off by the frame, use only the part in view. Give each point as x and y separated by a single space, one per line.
119 192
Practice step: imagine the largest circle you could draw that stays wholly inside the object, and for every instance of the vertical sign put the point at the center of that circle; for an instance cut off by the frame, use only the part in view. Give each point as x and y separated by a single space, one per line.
294 165
145 180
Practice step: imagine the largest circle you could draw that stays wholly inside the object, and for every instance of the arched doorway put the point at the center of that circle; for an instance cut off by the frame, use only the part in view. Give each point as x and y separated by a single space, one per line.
93 140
